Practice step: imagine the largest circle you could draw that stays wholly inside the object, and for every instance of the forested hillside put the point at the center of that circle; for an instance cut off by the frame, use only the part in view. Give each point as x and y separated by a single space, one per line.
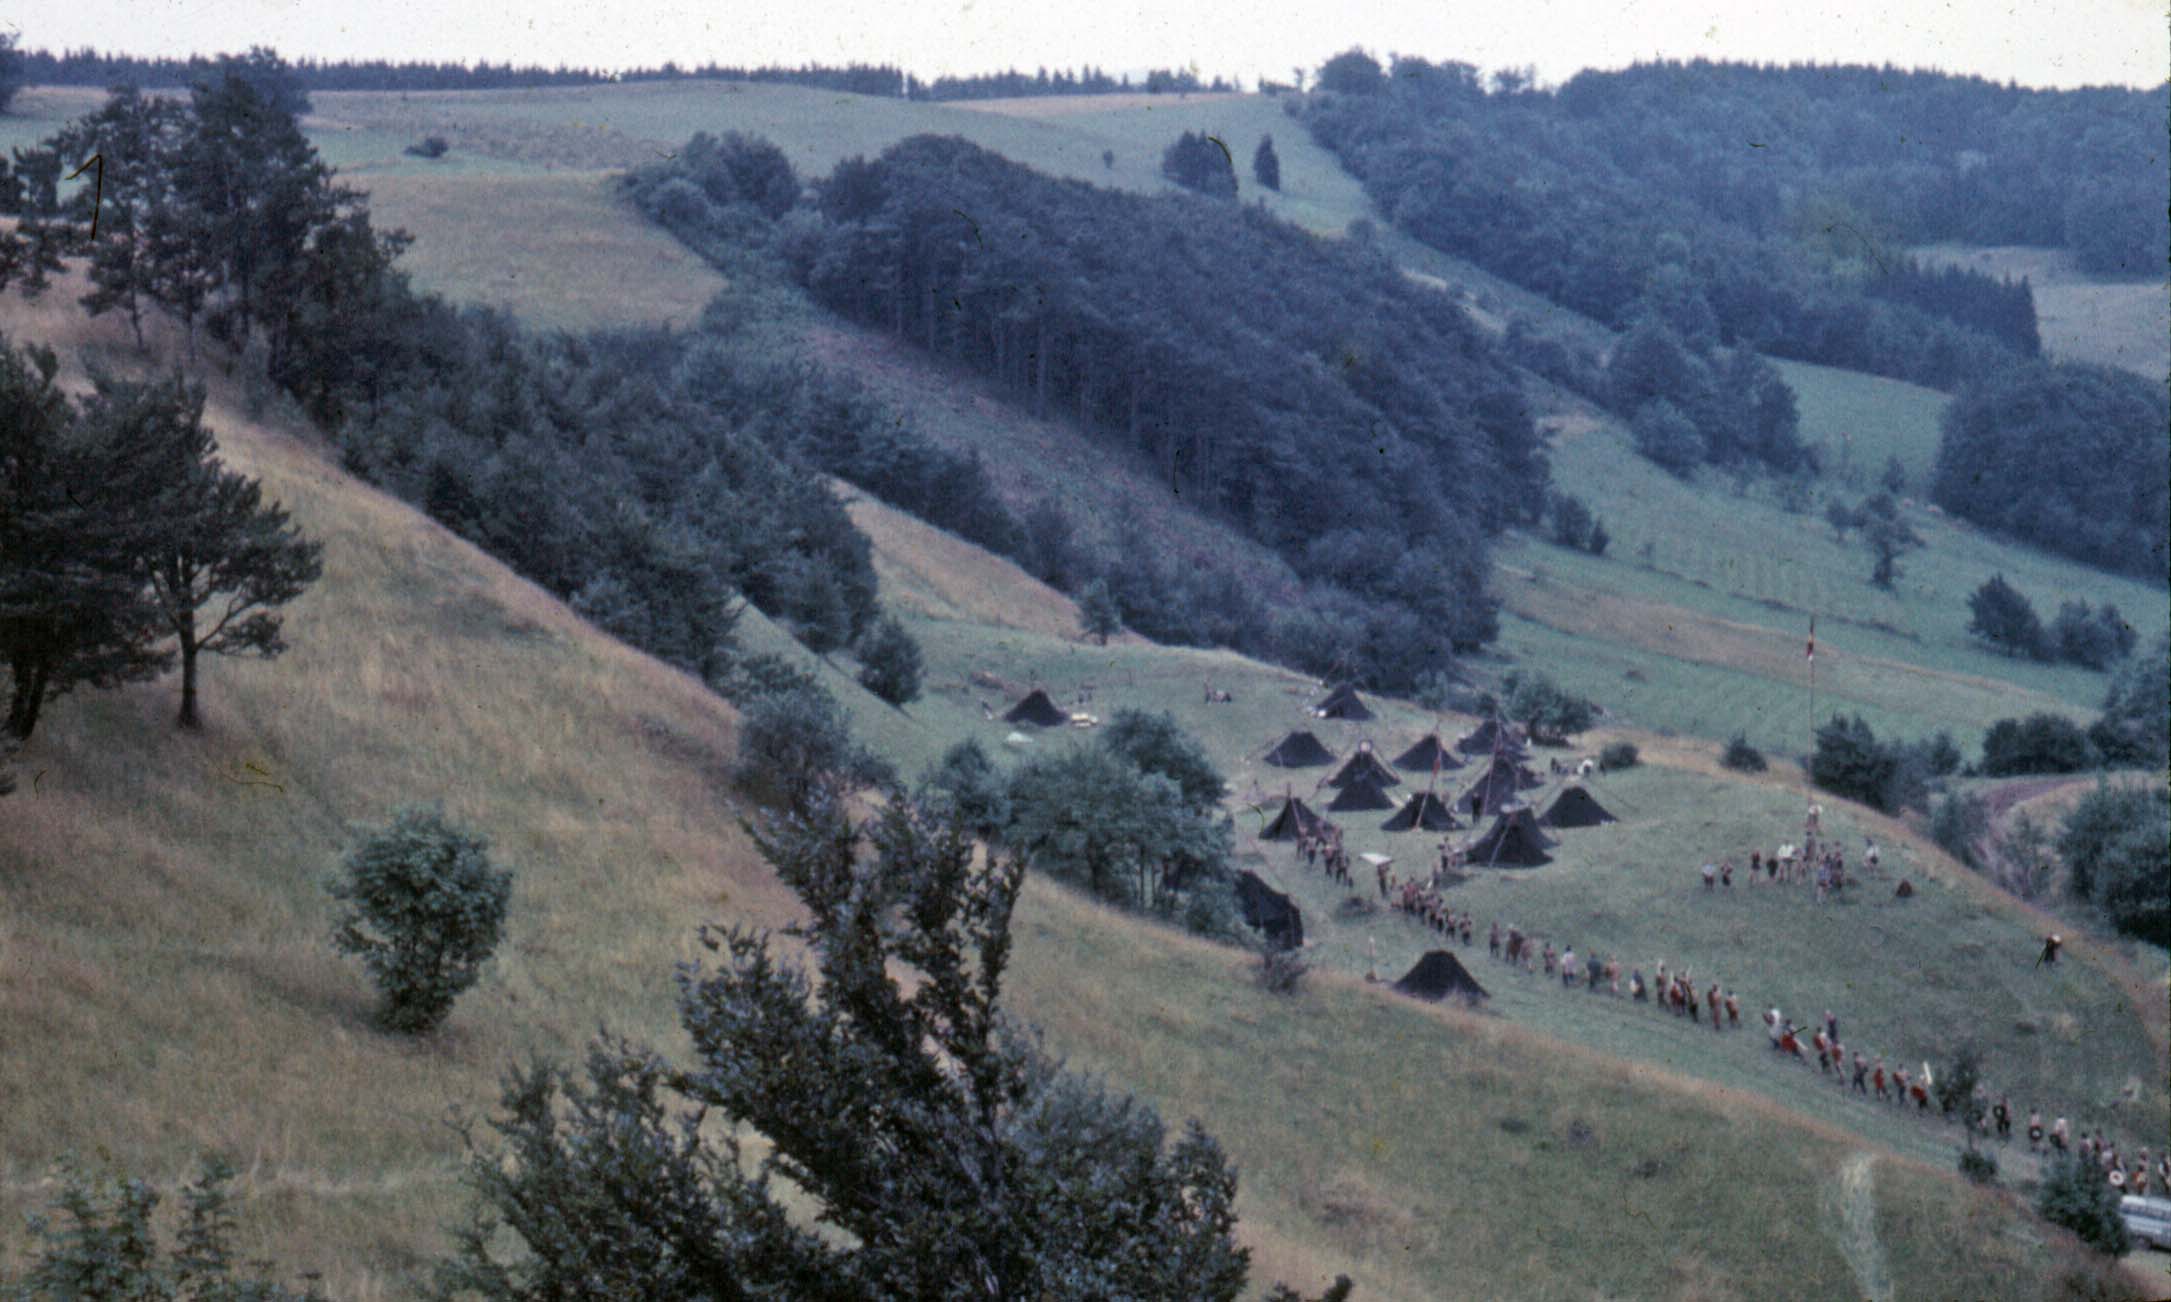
1304 390
1711 206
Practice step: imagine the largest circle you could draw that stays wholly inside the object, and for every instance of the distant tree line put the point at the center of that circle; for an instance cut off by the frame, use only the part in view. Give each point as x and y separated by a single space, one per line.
1596 195
87 66
1364 429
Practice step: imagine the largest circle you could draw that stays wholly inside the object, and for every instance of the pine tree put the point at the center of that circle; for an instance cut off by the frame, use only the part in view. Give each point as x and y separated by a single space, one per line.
217 560
72 604
1266 164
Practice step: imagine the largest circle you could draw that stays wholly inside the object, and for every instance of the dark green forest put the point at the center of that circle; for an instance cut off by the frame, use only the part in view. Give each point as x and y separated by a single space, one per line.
1362 427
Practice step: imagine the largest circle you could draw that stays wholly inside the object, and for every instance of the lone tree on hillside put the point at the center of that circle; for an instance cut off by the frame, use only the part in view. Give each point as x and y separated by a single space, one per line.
425 910
218 561
1888 537
1266 164
1097 608
2001 616
948 1153
890 662
73 611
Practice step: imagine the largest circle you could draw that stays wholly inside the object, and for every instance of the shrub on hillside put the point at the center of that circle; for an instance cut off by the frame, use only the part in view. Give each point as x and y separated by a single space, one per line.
2041 743
965 786
1550 712
1958 823
889 662
1572 521
1199 162
425 910
97 1241
2075 1194
1978 1166
792 741
2135 726
1281 971
1742 757
2001 616
427 147
1618 755
1848 761
2096 638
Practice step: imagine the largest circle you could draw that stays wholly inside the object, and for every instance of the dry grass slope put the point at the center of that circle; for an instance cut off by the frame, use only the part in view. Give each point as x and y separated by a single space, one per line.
161 952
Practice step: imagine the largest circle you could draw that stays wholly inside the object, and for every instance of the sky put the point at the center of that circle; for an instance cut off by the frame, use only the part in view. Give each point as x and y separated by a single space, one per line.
2058 43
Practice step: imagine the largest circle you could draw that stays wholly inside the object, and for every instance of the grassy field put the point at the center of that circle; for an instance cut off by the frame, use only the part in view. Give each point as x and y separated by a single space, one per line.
1856 421
162 920
2082 318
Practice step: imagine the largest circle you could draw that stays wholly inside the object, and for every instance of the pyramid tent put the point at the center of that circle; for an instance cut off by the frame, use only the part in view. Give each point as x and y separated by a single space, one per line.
1490 736
1038 710
1270 911
1365 764
1343 703
1494 789
1513 841
1423 811
1295 817
1362 794
1299 750
1576 807
1440 974
1425 754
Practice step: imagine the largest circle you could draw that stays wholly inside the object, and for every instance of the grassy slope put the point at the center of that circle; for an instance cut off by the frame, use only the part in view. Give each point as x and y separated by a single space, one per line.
2082 318
163 940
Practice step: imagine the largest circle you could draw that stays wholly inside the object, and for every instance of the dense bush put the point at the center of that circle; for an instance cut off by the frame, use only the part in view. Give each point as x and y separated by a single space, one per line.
1978 1166
2095 638
2116 844
966 787
792 742
1572 521
1890 776
889 662
2001 616
2135 726
2074 1194
1958 823
2040 743
1266 164
1741 756
2071 458
428 147
425 909
1550 713
1201 162
1618 755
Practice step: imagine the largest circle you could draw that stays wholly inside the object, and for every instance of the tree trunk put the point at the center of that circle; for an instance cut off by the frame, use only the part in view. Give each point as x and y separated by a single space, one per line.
188 717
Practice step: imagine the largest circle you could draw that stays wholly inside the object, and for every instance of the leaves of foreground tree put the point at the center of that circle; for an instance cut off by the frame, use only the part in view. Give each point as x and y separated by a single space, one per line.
930 1147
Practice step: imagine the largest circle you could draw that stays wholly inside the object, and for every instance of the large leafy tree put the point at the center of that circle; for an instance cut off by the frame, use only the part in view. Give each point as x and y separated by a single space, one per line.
932 1148
73 610
218 560
1092 816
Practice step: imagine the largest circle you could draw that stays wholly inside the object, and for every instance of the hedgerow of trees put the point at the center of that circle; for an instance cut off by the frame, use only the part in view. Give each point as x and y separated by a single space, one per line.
2095 637
903 1108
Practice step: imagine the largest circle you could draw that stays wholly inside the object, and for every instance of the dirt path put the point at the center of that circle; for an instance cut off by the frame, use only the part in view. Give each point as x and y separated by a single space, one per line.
1853 1203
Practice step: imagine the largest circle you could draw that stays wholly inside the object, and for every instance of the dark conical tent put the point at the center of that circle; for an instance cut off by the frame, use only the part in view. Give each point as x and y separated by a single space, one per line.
1513 841
1343 703
1427 753
1576 807
1494 789
1270 911
1361 793
1364 764
1440 974
1299 750
1423 811
1038 710
1295 817
1490 736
